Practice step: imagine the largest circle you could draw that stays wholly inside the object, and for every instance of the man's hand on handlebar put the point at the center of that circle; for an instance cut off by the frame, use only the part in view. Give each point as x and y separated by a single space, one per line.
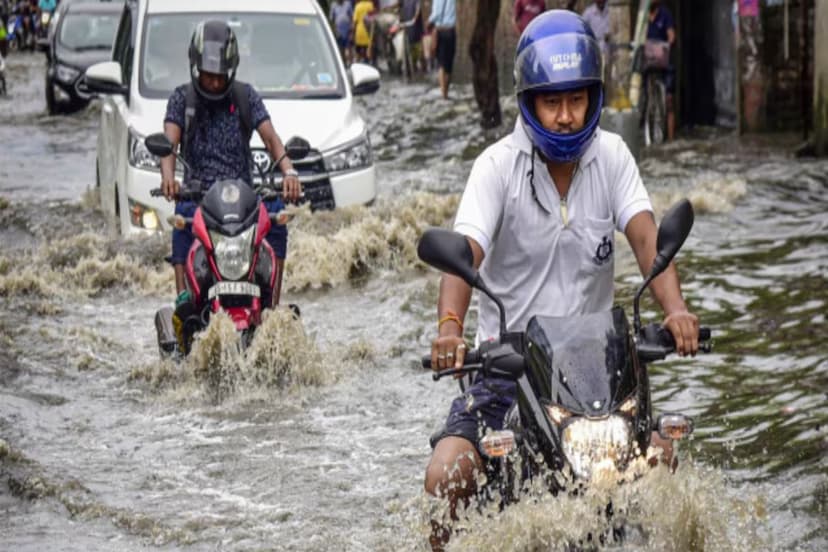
291 188
170 187
684 326
448 352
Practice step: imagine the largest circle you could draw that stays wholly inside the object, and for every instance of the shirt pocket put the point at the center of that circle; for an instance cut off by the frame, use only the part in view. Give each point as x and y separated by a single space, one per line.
597 245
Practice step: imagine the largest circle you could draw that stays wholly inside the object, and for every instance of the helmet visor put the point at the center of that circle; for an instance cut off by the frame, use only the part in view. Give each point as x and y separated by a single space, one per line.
215 58
560 62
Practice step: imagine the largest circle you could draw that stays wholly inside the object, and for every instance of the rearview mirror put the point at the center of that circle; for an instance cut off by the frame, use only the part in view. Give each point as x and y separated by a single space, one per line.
674 228
105 78
448 251
158 144
364 79
297 148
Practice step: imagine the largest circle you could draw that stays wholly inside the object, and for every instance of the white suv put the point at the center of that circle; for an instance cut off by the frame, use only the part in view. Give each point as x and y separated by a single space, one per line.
289 55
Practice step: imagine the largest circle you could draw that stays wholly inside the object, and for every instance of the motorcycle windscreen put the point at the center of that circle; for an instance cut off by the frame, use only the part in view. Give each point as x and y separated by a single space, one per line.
230 206
582 363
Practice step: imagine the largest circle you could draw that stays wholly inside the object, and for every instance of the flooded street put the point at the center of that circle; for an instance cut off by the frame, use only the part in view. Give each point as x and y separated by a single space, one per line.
317 438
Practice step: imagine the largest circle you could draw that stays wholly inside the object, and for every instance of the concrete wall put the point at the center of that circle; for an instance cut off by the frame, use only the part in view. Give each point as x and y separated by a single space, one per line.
820 113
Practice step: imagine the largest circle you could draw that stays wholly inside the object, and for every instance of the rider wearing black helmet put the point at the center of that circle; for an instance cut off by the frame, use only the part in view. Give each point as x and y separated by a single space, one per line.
213 117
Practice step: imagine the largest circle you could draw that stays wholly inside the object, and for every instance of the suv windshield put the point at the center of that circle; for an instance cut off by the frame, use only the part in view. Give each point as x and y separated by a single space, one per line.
88 31
281 55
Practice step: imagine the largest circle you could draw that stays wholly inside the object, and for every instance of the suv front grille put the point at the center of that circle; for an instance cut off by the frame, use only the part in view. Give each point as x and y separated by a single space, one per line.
315 179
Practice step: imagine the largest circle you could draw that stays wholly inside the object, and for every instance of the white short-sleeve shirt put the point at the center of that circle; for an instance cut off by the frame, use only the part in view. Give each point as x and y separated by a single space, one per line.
534 262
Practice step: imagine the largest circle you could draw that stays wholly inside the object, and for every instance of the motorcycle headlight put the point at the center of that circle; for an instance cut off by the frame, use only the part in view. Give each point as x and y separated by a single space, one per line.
139 155
66 74
597 445
233 255
355 155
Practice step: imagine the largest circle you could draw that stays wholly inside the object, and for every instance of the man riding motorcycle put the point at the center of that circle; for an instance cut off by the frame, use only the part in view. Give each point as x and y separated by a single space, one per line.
539 211
213 117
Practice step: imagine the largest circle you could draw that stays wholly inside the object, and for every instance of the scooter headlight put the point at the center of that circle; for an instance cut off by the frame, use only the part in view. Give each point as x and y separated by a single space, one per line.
593 446
233 255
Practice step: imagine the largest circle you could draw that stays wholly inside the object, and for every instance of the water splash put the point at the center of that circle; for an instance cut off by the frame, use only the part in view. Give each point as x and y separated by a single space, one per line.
281 358
329 249
692 509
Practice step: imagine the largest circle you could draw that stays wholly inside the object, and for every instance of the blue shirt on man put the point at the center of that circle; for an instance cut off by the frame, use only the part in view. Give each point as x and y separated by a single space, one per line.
657 29
216 151
443 13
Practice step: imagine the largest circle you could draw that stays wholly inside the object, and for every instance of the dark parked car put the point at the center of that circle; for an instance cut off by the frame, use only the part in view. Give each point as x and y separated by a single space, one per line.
81 35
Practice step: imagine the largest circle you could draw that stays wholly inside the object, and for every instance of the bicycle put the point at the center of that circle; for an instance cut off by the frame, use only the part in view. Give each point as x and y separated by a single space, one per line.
656 61
655 107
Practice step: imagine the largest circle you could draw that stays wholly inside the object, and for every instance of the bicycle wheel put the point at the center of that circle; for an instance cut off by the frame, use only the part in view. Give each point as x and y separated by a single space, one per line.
655 117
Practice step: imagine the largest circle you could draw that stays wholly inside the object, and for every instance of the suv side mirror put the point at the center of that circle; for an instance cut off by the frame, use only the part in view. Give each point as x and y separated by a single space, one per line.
105 78
364 79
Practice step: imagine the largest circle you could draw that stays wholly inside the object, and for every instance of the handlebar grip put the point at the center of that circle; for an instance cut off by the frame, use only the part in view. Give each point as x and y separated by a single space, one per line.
472 357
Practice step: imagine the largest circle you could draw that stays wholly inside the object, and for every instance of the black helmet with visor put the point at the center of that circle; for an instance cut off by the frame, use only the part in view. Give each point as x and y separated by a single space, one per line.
213 49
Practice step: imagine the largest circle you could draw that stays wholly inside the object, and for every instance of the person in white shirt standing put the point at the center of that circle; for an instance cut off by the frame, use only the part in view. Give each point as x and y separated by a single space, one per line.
540 210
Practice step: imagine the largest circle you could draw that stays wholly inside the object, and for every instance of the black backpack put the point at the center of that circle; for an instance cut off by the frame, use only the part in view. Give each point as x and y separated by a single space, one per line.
238 98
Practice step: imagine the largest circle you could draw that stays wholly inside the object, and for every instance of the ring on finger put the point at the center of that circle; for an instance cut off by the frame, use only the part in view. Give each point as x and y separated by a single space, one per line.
441 356
461 346
449 355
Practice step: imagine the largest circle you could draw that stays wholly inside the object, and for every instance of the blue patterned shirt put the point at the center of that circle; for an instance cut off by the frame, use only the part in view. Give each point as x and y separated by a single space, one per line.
216 151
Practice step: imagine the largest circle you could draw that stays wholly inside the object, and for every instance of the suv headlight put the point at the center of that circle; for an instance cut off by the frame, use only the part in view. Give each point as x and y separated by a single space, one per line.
139 155
66 74
233 255
352 156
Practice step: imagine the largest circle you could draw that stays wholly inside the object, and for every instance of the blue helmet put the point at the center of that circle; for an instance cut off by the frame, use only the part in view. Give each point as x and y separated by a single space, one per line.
557 52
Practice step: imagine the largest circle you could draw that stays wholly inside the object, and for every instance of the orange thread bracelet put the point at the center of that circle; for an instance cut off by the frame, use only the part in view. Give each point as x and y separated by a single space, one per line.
450 316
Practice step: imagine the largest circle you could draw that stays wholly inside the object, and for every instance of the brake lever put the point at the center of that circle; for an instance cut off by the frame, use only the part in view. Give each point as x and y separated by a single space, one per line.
436 376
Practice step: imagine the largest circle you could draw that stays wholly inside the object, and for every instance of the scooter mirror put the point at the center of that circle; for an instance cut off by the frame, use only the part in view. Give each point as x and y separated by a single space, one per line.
674 228
297 148
448 251
158 144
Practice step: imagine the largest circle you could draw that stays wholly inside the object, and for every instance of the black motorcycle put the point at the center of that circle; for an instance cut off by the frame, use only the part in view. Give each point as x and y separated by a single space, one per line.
583 397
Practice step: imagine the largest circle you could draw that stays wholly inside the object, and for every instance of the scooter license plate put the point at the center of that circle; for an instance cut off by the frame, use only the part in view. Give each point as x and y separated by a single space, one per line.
233 288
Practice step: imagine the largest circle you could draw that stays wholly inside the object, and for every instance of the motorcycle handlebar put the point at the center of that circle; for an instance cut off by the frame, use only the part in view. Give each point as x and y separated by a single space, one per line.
472 357
192 195
196 195
656 342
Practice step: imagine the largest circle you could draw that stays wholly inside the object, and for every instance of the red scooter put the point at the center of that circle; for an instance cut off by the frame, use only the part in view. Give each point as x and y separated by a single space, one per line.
230 267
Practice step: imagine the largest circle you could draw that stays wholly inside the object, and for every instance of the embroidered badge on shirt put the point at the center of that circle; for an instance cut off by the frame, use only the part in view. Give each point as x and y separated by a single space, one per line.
603 252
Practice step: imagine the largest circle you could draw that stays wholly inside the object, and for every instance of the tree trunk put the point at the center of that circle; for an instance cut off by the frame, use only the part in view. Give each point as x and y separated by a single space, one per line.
484 63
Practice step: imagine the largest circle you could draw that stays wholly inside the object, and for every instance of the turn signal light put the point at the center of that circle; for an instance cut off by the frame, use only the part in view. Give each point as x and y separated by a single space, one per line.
177 221
674 426
498 443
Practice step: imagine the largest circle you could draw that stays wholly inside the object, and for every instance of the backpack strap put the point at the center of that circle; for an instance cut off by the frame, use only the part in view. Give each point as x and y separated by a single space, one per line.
190 105
239 99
